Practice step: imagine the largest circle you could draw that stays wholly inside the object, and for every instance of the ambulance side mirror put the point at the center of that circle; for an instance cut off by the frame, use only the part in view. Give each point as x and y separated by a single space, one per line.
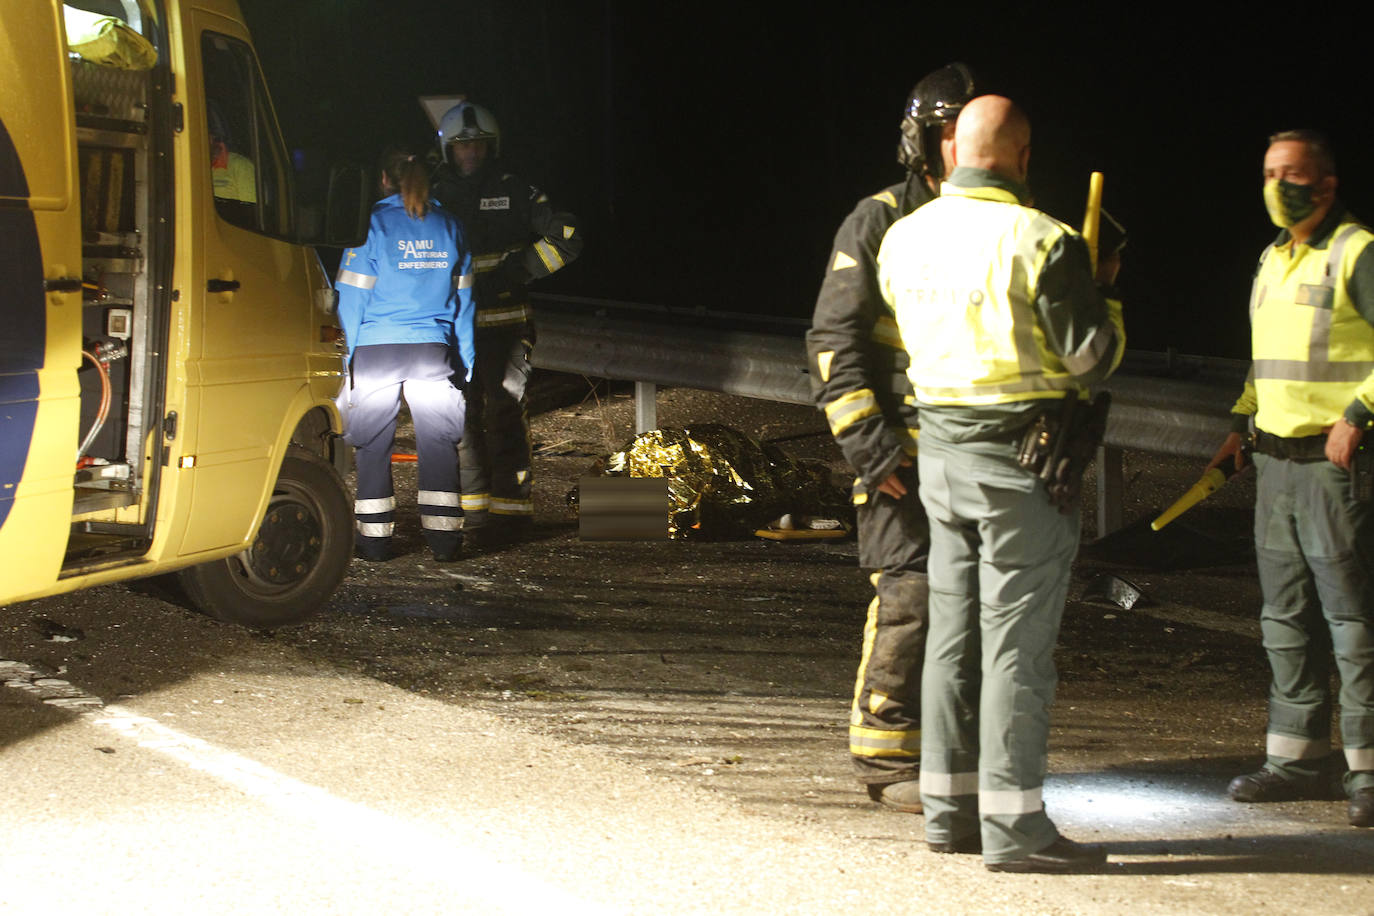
348 206
333 204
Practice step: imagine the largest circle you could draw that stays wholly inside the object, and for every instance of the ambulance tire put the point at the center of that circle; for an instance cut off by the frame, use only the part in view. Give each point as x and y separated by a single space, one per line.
297 559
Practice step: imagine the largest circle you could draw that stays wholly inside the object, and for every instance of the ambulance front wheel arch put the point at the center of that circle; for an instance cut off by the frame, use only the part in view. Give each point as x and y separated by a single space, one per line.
297 558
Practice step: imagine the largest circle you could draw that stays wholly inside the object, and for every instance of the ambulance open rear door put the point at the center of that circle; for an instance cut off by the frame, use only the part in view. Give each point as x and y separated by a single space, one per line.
40 296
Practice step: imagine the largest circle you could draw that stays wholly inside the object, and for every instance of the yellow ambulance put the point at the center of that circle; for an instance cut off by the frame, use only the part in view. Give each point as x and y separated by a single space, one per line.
169 352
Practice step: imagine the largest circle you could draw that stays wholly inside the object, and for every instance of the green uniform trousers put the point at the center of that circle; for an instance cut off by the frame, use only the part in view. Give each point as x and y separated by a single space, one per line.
1315 551
999 574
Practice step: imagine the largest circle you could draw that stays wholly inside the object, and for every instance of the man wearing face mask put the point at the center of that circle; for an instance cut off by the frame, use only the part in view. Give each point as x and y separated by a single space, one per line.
1308 404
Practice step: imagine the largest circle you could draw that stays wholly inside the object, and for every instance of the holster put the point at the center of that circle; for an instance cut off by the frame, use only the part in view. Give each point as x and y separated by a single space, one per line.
1061 442
1362 474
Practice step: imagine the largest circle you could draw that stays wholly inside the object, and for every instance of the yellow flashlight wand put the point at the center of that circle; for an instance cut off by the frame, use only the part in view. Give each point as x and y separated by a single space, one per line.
1207 484
1092 218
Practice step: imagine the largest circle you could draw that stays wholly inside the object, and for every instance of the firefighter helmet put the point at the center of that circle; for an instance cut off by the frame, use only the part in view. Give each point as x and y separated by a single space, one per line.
934 102
466 121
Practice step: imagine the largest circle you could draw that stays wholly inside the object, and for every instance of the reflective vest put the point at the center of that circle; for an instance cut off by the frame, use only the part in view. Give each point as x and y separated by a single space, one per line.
962 274
1313 351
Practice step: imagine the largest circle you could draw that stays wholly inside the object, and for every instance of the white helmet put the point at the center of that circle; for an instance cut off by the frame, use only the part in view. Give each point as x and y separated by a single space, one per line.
466 121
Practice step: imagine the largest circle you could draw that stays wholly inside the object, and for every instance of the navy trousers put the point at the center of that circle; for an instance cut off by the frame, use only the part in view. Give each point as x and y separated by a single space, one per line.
423 374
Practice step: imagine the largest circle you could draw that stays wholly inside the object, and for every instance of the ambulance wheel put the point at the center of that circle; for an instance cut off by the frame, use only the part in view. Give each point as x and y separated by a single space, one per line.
298 556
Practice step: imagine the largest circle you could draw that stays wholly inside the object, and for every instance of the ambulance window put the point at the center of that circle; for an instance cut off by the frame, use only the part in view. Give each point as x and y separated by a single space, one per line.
249 170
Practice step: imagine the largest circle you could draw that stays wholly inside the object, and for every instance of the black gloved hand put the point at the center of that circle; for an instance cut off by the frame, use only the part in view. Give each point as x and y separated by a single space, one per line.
513 270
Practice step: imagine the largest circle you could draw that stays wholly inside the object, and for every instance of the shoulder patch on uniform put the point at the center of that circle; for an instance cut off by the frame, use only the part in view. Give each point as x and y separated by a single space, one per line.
885 197
843 261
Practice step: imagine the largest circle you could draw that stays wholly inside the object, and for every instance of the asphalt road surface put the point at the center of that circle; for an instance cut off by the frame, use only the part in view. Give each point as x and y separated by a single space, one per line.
570 726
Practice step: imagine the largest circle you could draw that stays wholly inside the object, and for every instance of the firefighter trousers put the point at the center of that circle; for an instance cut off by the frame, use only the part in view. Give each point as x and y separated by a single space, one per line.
495 452
999 574
885 716
380 375
1315 550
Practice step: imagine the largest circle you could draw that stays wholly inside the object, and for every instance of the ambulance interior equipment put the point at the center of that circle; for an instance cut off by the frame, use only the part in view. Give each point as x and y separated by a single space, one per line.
111 64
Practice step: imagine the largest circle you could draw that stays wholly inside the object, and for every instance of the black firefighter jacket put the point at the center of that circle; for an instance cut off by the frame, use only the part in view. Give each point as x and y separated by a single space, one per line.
857 360
515 234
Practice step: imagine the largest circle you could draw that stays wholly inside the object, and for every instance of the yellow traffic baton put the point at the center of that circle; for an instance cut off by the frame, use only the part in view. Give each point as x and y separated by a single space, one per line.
1092 217
1207 484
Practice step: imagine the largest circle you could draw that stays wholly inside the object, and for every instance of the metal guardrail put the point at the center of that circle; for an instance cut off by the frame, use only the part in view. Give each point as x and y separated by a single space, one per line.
1164 403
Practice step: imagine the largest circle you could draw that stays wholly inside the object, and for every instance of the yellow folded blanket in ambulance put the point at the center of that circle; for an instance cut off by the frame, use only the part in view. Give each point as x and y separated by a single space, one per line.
107 41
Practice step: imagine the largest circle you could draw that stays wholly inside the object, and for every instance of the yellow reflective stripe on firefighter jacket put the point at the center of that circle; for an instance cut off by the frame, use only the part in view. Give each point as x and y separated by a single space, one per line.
857 362
1312 331
995 299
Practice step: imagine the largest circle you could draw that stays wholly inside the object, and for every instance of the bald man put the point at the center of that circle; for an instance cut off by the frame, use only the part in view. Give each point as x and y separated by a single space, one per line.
1003 322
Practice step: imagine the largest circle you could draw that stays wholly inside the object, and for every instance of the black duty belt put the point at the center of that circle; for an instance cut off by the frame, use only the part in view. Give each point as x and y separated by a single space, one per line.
1299 448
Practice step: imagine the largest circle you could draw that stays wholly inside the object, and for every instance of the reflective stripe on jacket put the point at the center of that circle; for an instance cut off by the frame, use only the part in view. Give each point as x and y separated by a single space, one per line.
1312 342
995 299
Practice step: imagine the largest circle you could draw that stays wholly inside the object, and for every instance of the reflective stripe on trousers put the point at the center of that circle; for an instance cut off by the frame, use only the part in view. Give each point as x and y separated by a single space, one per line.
374 517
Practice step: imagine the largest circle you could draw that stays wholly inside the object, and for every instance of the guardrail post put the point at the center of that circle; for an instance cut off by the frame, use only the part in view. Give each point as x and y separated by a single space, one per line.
1110 489
646 407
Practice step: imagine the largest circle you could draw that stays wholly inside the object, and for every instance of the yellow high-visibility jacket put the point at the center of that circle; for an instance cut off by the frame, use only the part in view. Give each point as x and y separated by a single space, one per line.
1311 331
995 300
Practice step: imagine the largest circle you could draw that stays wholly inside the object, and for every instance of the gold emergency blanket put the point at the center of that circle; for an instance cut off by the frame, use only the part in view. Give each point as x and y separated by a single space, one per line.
722 483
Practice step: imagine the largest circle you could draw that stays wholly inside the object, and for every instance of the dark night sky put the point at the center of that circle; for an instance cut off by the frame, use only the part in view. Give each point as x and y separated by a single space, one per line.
711 150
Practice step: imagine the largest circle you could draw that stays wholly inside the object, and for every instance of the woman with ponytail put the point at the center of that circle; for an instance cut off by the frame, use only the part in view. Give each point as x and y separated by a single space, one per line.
405 303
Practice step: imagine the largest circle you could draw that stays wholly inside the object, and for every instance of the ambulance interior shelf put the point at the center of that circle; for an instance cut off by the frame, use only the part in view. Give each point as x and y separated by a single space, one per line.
110 77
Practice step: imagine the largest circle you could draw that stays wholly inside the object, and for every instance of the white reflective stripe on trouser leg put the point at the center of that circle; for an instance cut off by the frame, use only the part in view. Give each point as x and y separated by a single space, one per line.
478 502
374 506
1359 758
441 522
1290 748
512 506
948 785
437 498
1010 801
375 529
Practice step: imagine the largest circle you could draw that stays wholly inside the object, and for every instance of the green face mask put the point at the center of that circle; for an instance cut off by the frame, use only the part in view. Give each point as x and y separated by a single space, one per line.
1288 203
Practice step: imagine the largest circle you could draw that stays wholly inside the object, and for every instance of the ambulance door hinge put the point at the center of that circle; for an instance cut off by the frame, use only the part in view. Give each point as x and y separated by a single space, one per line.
169 426
178 117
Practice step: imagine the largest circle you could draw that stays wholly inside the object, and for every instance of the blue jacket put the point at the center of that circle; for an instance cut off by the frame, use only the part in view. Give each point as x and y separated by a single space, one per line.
410 282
